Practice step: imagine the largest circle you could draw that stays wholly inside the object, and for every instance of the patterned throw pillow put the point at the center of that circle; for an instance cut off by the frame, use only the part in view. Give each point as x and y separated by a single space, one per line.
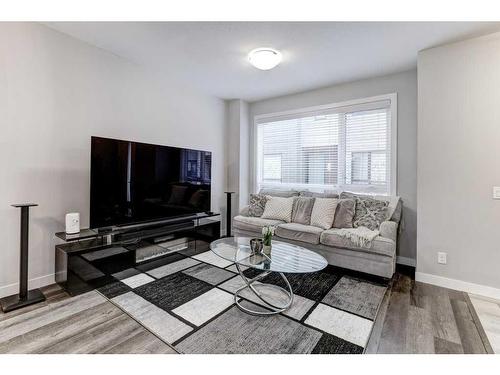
370 213
323 212
278 208
257 204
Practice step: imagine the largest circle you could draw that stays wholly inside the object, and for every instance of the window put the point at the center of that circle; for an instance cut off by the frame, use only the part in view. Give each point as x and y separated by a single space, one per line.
272 168
368 167
347 146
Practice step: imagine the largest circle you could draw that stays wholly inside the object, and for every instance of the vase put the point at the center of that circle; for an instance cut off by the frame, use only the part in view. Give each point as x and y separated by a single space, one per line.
266 249
256 245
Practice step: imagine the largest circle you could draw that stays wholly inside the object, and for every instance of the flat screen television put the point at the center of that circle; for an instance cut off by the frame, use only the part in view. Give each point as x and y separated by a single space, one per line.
132 182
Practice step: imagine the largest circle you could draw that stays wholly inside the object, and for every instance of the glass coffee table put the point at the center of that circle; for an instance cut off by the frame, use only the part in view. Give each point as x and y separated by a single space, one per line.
284 258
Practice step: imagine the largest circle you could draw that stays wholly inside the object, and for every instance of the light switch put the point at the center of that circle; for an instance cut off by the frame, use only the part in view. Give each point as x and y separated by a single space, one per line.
496 192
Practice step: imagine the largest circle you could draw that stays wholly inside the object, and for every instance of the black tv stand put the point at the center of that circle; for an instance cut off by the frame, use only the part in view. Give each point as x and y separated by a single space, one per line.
87 260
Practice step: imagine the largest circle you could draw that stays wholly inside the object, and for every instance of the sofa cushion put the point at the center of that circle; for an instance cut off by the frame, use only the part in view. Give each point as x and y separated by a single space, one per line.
326 194
323 212
253 224
380 245
256 205
299 232
302 209
279 193
278 208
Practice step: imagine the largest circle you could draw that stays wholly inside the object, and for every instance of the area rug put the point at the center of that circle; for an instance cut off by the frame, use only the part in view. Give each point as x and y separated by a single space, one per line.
187 300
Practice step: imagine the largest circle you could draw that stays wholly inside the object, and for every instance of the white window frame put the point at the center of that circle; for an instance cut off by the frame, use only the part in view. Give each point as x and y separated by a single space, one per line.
392 133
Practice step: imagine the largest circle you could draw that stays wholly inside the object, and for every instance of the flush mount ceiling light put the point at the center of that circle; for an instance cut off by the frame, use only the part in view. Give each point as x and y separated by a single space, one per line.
264 58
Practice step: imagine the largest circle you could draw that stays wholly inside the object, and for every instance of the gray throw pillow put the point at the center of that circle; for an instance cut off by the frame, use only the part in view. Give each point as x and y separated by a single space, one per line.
257 205
302 209
370 213
344 214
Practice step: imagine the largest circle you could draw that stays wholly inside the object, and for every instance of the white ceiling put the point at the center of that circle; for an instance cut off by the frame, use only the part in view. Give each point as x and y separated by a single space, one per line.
213 55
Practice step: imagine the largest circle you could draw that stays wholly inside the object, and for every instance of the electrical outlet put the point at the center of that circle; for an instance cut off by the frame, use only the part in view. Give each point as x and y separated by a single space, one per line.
441 258
496 192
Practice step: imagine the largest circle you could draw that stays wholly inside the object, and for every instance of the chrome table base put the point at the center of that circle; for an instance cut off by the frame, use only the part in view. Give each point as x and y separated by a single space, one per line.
271 305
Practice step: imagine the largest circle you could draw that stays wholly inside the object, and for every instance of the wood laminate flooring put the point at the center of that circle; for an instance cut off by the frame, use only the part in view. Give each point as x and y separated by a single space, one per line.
423 318
413 318
88 323
488 311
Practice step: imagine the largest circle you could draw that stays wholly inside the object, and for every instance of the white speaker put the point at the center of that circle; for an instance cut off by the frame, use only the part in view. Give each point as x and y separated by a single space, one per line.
73 223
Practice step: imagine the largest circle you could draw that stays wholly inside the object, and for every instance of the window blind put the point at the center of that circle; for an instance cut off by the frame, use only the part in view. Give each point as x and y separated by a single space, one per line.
342 148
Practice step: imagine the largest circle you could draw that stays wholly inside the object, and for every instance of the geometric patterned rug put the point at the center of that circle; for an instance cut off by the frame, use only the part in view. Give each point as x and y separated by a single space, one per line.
186 299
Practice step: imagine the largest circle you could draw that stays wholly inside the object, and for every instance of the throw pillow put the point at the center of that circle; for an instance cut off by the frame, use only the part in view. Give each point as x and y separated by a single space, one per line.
302 209
344 214
278 208
370 213
257 204
323 212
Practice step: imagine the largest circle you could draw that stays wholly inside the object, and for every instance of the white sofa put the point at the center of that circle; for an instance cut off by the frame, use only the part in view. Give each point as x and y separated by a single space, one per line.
378 259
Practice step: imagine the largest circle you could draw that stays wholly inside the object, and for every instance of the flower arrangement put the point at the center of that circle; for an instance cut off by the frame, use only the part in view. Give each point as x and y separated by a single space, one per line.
268 233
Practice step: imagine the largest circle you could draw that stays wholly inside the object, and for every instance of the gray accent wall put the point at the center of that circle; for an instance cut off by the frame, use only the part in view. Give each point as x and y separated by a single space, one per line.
55 92
459 160
405 85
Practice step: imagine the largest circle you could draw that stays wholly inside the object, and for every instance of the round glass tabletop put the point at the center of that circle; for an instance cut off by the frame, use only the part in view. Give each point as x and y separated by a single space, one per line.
284 257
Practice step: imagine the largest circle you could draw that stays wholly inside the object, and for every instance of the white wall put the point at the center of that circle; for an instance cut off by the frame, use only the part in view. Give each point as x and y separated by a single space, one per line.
405 84
237 152
244 190
459 162
55 92
233 147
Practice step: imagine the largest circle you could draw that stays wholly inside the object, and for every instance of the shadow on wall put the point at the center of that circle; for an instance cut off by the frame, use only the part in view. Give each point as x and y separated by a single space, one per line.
407 247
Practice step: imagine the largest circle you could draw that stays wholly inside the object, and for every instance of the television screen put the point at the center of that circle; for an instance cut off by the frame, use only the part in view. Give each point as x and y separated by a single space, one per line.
133 182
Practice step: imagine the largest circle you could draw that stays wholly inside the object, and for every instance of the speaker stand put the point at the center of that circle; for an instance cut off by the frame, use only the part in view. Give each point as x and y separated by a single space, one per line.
25 297
228 213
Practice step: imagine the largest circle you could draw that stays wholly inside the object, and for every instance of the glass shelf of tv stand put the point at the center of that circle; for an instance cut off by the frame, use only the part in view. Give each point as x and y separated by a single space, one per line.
84 234
88 233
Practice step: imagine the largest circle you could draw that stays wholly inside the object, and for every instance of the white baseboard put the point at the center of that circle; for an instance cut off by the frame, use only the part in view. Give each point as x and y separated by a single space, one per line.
464 286
37 282
406 261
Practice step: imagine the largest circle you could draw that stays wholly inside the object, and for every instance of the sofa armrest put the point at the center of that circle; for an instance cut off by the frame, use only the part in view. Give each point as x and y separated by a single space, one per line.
244 210
389 229
397 209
